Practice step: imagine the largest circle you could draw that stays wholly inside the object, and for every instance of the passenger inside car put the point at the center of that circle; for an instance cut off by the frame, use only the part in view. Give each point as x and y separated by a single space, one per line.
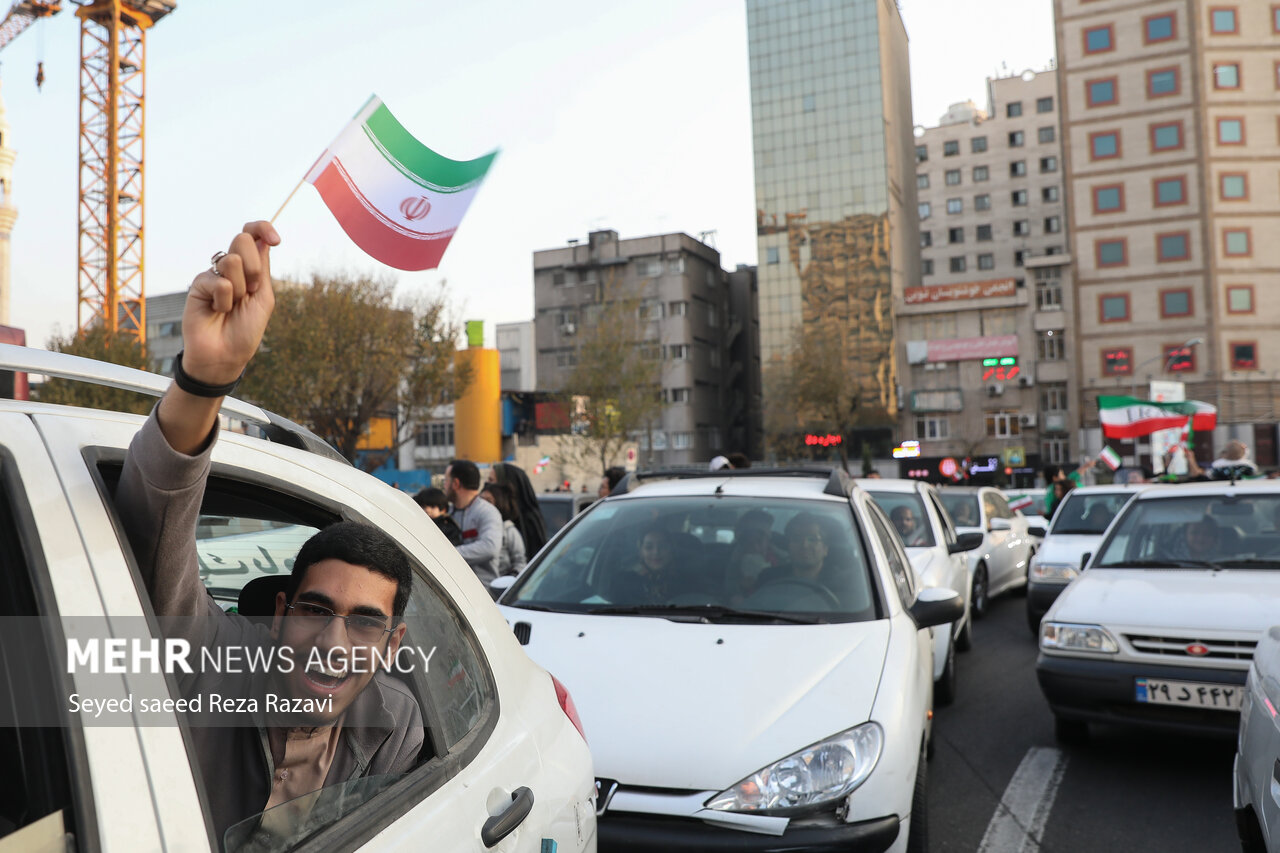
908 524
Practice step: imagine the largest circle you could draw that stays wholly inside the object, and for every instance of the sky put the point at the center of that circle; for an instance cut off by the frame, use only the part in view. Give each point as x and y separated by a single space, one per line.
629 114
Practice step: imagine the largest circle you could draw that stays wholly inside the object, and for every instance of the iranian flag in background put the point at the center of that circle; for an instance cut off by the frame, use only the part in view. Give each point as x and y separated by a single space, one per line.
1129 417
395 197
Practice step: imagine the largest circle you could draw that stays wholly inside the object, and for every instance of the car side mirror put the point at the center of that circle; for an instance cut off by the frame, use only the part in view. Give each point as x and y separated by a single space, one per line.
499 585
965 542
1001 524
1084 560
1035 530
936 606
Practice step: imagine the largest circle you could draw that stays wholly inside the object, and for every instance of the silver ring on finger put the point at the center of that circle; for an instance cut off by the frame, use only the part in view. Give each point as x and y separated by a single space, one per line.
213 263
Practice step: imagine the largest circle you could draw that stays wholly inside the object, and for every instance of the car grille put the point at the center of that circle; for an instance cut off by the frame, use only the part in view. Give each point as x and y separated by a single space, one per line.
1176 647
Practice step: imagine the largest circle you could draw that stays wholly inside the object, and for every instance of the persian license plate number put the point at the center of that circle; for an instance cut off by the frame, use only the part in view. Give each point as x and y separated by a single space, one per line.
1194 694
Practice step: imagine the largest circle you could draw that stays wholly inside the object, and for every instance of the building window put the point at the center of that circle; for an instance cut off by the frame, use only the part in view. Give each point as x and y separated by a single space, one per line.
924 209
926 239
1108 199
1236 243
1048 164
1233 186
677 352
559 279
1044 105
679 309
958 264
1048 289
1053 224
1240 299
1175 303
984 234
926 266
1046 134
1104 145
922 153
932 428
1018 169
809 103
1117 361
1022 228
1230 131
1226 75
1113 308
1275 18
1053 397
1173 247
1244 355
1019 198
1222 21
771 255
678 395
980 173
1049 193
1019 256
1166 137
955 235
1003 424
1051 346
1111 253
986 262
1099 39
1054 451
982 202
1170 191
1162 82
1013 109
713 317
977 144
922 182
1101 93
950 148
953 177
1156 28
681 440
1017 139
955 205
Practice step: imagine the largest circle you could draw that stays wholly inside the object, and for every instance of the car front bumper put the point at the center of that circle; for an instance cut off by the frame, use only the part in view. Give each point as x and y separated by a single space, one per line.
1040 597
624 832
1100 690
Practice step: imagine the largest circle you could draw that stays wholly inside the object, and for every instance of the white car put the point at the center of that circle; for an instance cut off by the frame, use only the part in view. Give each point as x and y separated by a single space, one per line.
504 762
1258 751
1160 628
1003 559
938 557
751 657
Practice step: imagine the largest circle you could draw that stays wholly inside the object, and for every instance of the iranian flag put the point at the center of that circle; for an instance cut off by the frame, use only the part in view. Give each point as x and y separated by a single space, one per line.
1129 417
395 197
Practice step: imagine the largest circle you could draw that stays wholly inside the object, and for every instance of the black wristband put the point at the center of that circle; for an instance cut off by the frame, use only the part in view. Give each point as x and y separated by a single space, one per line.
195 386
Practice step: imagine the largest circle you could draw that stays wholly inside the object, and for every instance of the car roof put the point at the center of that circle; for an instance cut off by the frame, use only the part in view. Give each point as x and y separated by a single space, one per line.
965 490
1111 489
807 488
901 486
1209 488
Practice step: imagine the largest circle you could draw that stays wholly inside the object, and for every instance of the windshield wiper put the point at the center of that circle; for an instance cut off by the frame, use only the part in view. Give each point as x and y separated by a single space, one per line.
1245 562
704 612
1157 564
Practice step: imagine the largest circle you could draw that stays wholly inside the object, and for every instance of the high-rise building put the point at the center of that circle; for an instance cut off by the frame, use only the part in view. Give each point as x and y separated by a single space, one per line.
518 355
1172 154
690 321
835 192
984 333
8 213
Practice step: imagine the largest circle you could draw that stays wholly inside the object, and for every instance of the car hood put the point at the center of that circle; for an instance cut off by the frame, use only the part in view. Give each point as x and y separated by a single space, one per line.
1067 548
698 706
1228 599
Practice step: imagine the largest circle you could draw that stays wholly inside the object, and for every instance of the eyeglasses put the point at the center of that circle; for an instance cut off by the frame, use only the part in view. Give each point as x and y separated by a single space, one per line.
360 628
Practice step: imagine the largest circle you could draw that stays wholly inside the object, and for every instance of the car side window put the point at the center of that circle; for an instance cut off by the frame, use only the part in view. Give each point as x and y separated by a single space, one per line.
1001 506
948 529
899 566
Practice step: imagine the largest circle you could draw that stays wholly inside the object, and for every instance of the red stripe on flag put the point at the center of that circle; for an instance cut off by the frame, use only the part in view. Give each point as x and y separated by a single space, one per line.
371 233
1146 426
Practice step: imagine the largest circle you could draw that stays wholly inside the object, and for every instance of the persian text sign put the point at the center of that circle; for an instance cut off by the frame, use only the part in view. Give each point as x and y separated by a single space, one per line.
960 290
966 349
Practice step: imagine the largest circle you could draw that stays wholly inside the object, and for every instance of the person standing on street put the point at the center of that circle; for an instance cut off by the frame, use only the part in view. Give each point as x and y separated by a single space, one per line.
511 559
526 513
480 521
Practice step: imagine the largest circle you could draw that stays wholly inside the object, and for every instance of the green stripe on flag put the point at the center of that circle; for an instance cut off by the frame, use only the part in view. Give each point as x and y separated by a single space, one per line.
417 160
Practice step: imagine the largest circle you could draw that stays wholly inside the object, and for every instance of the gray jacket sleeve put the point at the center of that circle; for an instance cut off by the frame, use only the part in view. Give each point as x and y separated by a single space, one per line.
515 549
488 541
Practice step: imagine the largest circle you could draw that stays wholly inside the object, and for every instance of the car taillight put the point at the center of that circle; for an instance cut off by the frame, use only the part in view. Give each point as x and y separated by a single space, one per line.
566 705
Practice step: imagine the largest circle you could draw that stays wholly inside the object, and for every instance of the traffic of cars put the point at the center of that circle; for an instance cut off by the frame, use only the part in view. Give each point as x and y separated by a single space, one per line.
1002 561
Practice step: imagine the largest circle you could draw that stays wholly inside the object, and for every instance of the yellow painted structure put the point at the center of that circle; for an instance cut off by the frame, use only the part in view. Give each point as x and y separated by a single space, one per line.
379 435
477 414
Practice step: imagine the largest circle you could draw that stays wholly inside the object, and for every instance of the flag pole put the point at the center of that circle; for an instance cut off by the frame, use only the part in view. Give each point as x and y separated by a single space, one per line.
292 192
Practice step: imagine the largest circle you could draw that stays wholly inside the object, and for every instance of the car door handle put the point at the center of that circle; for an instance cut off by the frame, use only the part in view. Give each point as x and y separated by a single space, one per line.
500 826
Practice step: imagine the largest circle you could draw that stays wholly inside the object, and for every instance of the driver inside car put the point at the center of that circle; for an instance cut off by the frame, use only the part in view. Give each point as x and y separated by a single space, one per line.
908 524
346 717
808 549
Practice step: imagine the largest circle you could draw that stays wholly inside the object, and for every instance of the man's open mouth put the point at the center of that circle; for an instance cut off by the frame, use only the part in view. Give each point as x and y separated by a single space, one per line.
324 677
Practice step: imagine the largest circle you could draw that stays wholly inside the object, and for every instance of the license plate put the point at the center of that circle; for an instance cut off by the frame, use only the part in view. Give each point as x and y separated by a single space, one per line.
1194 694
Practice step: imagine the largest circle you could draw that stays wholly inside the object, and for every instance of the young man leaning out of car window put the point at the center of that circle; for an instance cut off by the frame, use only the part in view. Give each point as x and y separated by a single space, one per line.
358 720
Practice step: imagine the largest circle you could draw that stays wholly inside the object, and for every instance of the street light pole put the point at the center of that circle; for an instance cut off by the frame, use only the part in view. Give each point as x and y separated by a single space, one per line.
1133 385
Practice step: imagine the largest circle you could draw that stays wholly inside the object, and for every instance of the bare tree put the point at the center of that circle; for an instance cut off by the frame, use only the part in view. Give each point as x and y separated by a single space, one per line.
97 343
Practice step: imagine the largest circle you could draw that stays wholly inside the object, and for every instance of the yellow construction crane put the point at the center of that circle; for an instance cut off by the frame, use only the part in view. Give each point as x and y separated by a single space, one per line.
112 108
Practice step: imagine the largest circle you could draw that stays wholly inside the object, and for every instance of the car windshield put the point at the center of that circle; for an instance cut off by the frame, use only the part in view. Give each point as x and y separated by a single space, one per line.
1088 514
906 511
963 508
693 557
1219 531
555 513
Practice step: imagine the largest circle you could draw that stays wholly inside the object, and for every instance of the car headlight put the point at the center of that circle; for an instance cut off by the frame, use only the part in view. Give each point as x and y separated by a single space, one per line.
1077 638
1054 572
817 774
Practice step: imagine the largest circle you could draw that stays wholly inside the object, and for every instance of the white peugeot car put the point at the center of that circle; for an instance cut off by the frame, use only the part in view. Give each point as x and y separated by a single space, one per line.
1257 762
1160 628
504 765
1003 559
938 556
751 657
